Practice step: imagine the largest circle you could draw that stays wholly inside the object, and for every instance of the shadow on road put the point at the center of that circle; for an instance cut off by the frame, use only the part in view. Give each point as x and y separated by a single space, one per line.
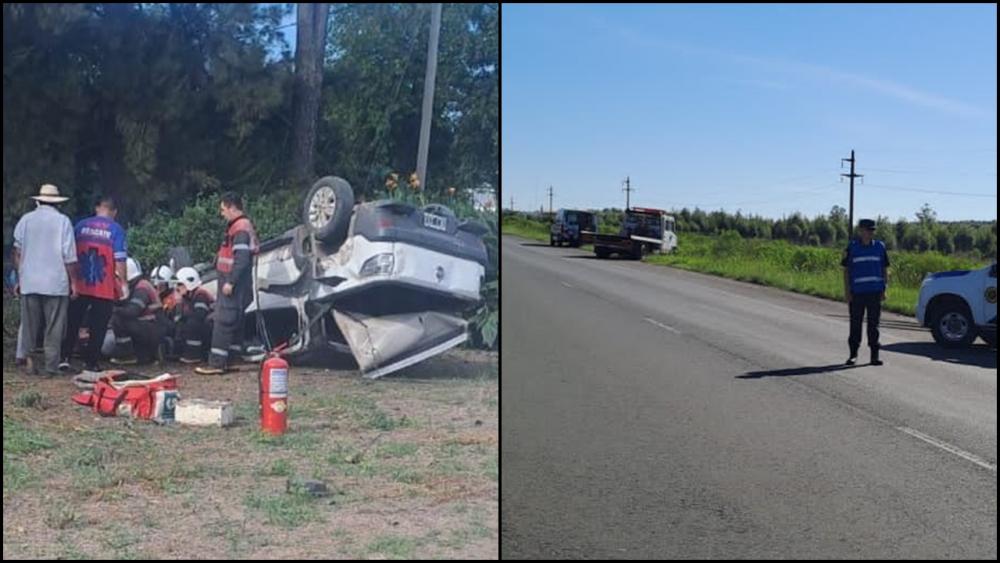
535 244
804 370
979 355
594 257
886 323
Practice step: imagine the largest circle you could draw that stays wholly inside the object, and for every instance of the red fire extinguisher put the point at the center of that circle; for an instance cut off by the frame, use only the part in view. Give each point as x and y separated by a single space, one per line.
273 382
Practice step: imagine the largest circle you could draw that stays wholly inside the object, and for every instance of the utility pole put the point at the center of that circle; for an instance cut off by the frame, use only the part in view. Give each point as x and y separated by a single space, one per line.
512 203
550 200
428 108
852 176
628 189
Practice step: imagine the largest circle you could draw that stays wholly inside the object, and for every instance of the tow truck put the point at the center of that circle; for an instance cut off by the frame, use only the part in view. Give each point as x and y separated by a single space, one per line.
644 231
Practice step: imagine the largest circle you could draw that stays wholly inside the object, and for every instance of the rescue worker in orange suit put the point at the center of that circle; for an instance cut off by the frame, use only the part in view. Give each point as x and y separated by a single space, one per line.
138 321
162 278
192 316
235 286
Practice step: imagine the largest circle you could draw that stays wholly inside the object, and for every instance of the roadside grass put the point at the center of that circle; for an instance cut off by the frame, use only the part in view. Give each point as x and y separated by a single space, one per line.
20 444
87 487
802 269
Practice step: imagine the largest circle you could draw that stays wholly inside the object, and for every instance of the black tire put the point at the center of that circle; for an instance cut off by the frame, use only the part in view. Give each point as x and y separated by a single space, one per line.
327 210
952 324
552 241
601 253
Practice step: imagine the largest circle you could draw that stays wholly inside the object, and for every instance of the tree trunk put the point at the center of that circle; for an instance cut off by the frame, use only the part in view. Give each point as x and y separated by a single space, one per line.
310 45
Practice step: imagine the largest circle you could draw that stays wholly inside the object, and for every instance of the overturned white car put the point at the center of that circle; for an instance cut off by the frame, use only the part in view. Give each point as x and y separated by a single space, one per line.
384 281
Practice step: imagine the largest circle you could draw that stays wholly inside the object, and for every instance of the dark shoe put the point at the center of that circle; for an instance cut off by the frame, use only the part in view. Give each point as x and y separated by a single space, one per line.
191 360
68 369
93 367
852 358
875 360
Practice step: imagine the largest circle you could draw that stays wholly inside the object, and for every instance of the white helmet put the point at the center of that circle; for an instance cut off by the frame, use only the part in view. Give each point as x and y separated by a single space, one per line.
132 269
161 274
189 278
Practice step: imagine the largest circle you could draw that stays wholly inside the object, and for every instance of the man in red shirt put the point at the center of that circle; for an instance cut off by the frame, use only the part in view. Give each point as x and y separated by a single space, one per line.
101 253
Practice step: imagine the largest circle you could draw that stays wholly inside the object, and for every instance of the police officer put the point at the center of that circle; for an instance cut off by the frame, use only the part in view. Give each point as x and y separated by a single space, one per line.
866 276
235 285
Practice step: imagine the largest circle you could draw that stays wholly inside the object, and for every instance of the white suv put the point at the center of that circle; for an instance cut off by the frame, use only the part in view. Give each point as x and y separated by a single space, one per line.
960 305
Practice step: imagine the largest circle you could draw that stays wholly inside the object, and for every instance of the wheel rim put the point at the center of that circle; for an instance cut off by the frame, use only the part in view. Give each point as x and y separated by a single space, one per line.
322 207
954 326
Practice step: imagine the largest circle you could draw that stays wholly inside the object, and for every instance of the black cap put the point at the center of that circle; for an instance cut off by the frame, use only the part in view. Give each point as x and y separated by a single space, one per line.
867 224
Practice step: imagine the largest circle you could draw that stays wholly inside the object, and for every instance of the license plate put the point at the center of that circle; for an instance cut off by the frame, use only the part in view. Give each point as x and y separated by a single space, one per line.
436 222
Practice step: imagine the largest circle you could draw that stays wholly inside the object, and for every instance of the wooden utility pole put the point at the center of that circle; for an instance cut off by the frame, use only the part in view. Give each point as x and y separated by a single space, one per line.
628 190
852 176
428 109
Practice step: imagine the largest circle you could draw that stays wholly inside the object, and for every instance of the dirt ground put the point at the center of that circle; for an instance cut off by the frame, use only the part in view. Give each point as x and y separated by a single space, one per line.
411 461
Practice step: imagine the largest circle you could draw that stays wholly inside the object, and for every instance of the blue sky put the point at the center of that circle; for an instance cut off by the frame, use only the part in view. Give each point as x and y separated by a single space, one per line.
751 107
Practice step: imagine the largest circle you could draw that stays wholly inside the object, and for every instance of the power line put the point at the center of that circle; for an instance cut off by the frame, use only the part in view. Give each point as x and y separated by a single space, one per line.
796 194
926 191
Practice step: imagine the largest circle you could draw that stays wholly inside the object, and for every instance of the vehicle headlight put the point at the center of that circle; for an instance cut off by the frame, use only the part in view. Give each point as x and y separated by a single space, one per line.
380 264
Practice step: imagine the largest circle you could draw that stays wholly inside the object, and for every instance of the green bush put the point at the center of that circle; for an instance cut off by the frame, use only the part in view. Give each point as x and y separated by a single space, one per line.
199 227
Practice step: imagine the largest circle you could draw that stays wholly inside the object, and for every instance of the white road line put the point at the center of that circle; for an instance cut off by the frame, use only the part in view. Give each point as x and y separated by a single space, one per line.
663 326
949 448
567 285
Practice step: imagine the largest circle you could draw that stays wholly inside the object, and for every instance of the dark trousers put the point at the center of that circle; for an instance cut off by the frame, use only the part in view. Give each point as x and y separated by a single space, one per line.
193 337
860 303
227 329
97 313
143 337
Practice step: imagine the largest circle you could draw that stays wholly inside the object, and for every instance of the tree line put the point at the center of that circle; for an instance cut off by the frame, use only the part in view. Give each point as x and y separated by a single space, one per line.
159 104
924 233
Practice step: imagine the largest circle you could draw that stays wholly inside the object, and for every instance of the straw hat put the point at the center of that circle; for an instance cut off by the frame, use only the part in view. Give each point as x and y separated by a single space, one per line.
49 194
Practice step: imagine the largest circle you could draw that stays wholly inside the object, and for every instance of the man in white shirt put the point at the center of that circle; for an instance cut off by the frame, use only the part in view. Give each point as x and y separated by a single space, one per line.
45 255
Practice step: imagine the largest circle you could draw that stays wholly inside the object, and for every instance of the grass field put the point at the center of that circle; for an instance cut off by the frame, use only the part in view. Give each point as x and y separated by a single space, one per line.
411 462
803 269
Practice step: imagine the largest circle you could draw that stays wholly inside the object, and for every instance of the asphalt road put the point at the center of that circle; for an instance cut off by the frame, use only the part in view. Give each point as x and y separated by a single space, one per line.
649 412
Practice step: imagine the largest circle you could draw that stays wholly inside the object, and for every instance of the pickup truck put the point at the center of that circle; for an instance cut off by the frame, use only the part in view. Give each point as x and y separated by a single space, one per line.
960 305
644 231
568 224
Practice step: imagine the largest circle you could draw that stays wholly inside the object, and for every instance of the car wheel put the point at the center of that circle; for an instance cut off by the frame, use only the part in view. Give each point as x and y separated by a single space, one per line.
327 210
601 253
951 324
